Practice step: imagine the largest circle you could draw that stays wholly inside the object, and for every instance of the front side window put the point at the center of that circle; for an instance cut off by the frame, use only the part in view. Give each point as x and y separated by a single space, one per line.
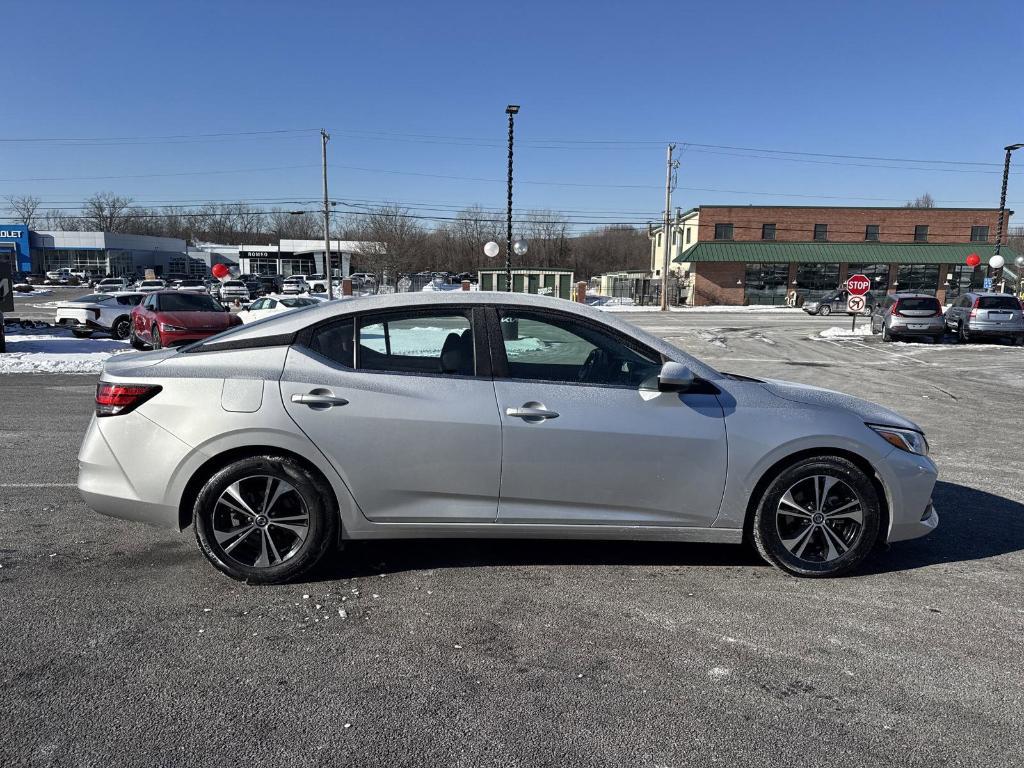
723 231
821 232
417 343
543 347
260 304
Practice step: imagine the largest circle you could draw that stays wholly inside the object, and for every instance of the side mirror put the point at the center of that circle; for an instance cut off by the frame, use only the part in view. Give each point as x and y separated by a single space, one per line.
675 377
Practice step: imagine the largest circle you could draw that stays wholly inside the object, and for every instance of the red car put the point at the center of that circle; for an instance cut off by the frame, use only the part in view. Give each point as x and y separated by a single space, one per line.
167 318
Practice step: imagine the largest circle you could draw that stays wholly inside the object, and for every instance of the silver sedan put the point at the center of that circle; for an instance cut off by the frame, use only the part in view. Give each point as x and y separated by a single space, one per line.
488 415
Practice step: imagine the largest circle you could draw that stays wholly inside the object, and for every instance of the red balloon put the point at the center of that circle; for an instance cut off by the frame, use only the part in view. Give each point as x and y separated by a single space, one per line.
973 260
220 270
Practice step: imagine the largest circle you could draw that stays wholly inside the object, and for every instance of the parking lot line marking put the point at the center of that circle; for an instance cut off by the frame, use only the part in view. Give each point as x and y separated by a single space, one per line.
38 485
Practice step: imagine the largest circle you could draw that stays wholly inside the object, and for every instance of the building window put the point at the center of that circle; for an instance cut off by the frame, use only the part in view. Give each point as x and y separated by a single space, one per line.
878 274
767 231
723 231
923 278
963 279
765 283
921 233
688 235
871 232
821 232
979 234
815 280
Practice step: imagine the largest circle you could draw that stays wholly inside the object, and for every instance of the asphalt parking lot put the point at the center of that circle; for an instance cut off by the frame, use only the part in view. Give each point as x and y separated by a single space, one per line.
119 645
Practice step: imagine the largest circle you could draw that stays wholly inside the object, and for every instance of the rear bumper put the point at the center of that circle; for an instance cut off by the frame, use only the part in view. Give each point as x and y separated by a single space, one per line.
928 329
78 325
976 328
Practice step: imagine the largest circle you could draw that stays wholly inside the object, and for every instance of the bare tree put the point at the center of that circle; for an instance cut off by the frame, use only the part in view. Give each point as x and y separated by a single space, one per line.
107 212
24 208
924 201
395 241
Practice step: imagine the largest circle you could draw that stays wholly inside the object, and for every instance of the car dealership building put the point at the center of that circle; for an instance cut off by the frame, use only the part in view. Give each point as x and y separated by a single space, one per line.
760 254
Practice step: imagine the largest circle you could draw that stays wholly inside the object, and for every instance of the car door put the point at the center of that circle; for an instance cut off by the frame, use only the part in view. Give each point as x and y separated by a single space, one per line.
402 405
586 440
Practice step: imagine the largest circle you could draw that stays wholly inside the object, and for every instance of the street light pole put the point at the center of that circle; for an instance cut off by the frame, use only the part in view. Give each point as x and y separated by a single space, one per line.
325 137
1002 195
511 110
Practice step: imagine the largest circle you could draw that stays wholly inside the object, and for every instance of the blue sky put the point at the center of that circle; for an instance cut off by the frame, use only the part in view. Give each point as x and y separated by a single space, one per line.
890 80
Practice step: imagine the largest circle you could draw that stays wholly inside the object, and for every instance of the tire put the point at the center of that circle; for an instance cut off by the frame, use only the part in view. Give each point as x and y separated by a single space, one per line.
136 342
248 545
121 328
886 336
154 334
825 310
962 333
804 543
81 334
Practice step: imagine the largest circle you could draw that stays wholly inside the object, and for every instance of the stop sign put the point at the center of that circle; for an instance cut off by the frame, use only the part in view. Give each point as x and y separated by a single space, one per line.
858 285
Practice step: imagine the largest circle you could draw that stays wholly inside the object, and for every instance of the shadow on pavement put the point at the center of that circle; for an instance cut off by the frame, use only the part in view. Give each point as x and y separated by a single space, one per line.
973 525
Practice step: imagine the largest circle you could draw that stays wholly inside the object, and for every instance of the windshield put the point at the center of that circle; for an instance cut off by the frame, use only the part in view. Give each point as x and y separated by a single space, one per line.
997 302
112 281
188 302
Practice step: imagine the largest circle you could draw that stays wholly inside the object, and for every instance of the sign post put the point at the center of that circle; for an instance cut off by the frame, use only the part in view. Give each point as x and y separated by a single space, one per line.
857 285
6 298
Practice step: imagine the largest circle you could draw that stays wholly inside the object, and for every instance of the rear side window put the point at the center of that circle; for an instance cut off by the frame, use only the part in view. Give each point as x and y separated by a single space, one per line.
130 301
336 342
925 302
997 302
417 343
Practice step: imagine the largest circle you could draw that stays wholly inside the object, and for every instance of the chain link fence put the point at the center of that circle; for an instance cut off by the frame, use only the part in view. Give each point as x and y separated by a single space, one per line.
640 291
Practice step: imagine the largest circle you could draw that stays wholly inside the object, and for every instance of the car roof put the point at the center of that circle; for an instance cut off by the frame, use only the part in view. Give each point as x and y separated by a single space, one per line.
289 323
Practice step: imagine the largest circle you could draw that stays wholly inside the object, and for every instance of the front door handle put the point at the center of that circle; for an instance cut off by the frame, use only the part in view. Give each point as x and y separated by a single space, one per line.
319 400
531 412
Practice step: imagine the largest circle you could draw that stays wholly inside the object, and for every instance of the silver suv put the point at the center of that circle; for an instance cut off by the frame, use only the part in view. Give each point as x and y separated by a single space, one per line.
908 314
980 314
230 290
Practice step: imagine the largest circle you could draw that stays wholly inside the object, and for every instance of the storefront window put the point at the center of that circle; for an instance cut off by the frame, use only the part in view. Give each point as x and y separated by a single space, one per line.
815 280
878 274
922 278
964 280
297 266
766 283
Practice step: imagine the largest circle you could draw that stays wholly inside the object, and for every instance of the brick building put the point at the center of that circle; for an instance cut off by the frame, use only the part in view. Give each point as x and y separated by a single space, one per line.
758 254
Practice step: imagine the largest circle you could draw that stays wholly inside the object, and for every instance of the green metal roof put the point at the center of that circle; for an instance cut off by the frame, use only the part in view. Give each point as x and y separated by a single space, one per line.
885 253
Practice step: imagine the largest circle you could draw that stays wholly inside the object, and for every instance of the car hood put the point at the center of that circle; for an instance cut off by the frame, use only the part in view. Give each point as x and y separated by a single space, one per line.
871 413
196 319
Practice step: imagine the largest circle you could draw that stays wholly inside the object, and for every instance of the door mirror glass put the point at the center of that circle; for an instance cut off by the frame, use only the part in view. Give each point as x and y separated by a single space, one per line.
675 377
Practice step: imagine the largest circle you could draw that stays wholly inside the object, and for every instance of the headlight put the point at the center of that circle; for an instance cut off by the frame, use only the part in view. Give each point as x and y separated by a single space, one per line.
904 439
170 328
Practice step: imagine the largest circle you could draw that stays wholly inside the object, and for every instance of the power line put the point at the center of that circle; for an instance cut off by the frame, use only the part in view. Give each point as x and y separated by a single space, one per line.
85 139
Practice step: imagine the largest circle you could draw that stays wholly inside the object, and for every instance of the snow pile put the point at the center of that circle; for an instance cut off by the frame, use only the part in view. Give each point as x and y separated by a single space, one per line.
864 329
57 352
764 309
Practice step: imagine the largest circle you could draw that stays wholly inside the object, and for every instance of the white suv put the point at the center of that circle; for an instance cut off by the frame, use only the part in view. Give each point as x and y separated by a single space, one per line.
112 285
99 312
295 284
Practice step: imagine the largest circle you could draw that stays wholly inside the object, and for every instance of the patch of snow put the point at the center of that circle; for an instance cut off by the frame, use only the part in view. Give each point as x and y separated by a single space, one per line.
836 332
718 309
57 352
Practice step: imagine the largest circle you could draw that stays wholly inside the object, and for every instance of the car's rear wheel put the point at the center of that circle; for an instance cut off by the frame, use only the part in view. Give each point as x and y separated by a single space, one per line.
963 334
121 329
886 335
264 519
818 517
154 334
825 310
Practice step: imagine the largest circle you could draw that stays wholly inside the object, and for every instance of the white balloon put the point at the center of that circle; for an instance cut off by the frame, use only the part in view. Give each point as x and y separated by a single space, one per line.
519 247
491 249
996 262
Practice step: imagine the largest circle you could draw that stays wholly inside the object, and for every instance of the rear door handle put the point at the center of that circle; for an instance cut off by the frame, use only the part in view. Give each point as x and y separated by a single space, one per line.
318 399
531 413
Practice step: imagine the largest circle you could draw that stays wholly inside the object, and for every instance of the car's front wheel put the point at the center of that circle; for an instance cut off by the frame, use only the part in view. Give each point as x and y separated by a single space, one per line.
818 517
825 310
265 520
154 334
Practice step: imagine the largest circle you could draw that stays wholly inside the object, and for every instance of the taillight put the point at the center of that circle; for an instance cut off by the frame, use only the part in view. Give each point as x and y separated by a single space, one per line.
974 310
115 399
896 310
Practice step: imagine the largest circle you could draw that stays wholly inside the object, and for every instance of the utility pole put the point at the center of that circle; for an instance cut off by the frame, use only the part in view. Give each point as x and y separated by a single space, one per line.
511 110
325 137
666 234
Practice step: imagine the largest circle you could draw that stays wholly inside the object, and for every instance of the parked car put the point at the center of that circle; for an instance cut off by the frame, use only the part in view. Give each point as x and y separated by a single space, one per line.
231 290
270 284
149 286
295 284
193 286
170 318
61 275
275 304
317 283
981 314
112 285
99 313
254 286
902 315
274 438
836 302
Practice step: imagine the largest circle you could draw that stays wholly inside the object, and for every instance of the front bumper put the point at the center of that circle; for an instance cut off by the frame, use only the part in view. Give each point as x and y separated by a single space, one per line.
909 480
176 338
